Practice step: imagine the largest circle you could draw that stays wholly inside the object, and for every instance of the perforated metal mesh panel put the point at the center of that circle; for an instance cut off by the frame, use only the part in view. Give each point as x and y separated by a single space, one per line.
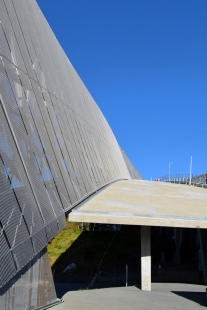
56 147
134 174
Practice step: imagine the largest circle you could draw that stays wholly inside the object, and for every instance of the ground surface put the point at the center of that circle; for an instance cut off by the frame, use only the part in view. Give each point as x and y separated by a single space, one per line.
163 296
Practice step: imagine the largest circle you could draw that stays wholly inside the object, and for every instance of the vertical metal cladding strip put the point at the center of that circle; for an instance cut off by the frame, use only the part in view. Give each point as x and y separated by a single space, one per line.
60 111
13 216
8 223
20 155
81 163
21 135
98 154
50 159
13 166
16 40
78 172
98 148
105 159
86 166
61 151
7 268
62 177
91 158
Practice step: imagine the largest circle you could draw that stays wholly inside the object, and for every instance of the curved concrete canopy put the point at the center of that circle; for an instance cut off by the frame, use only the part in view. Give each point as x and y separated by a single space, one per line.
139 202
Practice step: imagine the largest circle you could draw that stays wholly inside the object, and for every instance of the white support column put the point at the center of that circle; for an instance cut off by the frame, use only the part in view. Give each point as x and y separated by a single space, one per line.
145 258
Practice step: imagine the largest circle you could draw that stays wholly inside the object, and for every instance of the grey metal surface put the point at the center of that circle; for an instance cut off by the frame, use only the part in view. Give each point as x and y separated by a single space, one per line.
134 174
31 288
56 147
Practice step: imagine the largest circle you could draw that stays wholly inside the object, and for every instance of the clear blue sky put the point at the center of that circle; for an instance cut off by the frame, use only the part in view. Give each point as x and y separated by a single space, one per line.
145 64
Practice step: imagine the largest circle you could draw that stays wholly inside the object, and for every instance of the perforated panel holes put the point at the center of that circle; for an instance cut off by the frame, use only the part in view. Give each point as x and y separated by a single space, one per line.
14 64
2 60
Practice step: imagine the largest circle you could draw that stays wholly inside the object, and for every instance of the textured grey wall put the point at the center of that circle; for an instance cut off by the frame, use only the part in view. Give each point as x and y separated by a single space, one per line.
32 287
56 147
134 174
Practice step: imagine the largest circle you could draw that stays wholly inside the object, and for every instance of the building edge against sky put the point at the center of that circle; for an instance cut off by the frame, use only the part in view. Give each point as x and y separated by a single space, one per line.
56 149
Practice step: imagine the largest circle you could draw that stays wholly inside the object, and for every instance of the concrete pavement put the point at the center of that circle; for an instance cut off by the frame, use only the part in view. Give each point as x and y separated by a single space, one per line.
163 296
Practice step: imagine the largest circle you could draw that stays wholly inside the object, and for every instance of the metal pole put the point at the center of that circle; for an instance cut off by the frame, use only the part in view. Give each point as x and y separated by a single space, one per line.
190 169
126 275
169 169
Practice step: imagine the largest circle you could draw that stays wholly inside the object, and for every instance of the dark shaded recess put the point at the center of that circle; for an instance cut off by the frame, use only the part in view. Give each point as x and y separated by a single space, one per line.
162 241
198 297
88 250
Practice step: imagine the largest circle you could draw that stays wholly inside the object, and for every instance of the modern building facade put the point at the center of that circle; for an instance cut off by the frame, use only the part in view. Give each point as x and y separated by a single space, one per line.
56 149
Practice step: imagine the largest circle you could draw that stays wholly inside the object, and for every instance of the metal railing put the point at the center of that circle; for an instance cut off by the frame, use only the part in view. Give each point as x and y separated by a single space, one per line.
196 180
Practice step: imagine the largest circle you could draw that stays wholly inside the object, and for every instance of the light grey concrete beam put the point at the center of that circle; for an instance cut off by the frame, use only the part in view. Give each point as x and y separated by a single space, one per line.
145 203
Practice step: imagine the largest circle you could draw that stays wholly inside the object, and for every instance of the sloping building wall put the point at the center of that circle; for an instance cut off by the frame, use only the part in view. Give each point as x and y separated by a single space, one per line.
56 147
31 287
134 174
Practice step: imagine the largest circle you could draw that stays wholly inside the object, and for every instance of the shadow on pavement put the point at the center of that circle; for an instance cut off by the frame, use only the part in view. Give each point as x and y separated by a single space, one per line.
198 297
